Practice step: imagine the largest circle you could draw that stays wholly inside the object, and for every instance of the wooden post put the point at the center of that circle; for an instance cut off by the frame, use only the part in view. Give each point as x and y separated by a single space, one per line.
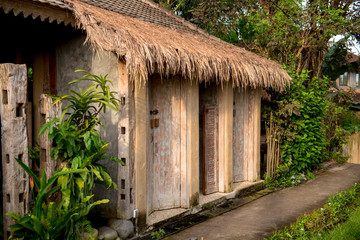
189 143
126 132
225 101
141 135
14 140
257 134
47 110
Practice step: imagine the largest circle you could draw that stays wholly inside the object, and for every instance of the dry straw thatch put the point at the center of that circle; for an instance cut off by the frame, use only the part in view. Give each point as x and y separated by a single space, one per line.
149 48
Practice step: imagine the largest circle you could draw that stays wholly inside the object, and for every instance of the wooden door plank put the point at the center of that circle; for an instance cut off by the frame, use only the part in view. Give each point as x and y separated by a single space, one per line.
211 160
166 107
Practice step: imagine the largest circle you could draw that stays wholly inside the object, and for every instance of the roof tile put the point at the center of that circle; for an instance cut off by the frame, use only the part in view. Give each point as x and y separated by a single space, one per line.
146 11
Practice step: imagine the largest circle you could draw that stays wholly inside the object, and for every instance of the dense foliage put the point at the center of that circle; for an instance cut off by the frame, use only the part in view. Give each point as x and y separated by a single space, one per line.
292 32
305 142
312 226
299 116
78 149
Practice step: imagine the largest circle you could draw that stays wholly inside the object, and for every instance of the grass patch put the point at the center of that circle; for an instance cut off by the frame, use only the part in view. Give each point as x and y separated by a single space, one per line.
349 230
312 226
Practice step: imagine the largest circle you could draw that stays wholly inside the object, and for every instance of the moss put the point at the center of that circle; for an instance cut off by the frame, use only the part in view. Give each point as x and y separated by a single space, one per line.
141 221
194 200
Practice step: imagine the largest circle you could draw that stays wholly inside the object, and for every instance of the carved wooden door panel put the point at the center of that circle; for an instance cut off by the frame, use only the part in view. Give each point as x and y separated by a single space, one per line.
165 130
14 140
210 149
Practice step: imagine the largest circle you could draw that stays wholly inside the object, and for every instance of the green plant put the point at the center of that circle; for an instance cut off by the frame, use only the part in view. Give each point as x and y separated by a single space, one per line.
336 210
285 176
337 126
298 116
349 230
78 144
350 121
49 220
158 234
305 142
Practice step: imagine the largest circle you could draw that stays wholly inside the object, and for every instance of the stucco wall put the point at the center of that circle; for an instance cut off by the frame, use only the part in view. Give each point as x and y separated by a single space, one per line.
73 55
352 148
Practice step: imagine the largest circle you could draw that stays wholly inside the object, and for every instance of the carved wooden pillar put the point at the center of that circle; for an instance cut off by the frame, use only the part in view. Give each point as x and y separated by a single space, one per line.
14 140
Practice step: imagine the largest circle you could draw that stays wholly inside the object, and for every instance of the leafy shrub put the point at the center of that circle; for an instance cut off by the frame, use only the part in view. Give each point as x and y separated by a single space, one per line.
350 121
78 146
49 220
305 143
299 115
284 176
335 211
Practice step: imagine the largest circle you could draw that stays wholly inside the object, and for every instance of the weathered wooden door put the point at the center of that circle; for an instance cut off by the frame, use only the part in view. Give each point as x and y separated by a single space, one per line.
239 128
165 130
14 140
246 134
210 149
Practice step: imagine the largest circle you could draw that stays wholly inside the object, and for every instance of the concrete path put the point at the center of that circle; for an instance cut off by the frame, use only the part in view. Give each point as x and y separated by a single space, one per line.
261 217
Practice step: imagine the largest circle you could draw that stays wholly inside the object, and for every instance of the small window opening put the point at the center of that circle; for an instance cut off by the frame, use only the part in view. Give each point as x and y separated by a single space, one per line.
122 196
43 155
42 119
5 97
123 160
122 100
8 198
21 197
7 158
122 130
131 198
122 183
19 110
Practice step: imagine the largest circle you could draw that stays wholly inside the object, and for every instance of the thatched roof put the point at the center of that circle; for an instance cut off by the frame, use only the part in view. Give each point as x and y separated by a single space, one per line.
153 40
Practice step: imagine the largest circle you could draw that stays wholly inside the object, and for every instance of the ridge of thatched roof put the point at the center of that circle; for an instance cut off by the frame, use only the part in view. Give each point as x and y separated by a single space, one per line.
147 11
153 47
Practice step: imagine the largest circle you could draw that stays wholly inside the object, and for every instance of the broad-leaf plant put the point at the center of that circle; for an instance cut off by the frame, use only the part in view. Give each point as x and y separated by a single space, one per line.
77 145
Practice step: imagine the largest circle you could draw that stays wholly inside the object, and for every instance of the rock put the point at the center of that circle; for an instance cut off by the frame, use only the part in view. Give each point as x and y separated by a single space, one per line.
107 233
86 235
124 228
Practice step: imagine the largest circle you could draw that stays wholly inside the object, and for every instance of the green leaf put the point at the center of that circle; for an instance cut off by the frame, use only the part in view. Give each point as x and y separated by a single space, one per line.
30 172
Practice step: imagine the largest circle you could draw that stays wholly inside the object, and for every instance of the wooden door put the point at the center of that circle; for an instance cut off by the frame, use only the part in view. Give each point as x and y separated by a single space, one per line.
165 133
210 149
240 125
245 134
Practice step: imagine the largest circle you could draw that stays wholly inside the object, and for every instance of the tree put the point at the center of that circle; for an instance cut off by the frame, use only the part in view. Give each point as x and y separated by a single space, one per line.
180 7
293 32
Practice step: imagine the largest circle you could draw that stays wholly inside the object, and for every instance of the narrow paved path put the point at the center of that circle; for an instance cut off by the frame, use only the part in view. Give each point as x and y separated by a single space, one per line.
261 217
